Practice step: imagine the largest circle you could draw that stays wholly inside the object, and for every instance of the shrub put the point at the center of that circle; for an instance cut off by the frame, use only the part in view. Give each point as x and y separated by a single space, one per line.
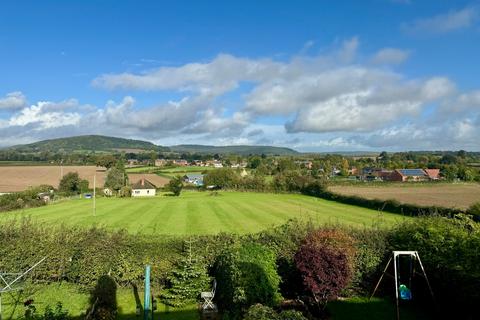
474 210
325 261
371 249
260 312
25 199
450 252
245 276
291 315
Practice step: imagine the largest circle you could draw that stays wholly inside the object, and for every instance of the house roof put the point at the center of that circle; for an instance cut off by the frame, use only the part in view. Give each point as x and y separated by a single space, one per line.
412 172
143 184
432 173
194 176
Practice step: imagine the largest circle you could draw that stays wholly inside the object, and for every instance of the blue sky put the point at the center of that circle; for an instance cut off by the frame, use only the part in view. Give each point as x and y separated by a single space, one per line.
312 75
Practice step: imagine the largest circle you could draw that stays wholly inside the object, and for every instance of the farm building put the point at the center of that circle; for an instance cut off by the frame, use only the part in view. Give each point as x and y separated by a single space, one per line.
195 179
143 188
408 175
433 174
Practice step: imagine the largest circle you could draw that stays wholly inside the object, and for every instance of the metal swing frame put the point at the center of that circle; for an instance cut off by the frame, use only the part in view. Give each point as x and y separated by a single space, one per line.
396 266
6 286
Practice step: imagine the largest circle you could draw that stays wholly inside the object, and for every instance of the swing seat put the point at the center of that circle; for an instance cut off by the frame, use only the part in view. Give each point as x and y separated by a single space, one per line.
405 293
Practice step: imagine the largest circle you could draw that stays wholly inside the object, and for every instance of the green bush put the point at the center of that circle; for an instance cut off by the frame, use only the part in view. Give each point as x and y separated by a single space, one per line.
474 210
25 199
371 249
261 312
450 252
246 275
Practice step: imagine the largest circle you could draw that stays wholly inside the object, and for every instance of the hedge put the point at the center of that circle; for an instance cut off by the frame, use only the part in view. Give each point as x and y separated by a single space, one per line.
449 248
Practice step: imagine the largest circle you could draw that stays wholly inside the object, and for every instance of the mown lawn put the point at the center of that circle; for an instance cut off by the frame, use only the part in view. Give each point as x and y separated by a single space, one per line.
76 301
202 213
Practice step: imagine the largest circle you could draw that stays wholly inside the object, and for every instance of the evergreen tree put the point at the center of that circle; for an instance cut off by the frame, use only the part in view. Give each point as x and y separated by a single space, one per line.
187 279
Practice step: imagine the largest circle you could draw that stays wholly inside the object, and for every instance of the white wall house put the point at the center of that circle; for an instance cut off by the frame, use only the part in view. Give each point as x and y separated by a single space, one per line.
143 188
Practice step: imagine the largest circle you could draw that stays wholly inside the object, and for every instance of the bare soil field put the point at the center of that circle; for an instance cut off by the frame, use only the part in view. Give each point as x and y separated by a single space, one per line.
153 178
444 195
19 178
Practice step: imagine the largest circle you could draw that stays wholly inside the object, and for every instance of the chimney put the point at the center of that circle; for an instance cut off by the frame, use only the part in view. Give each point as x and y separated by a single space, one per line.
143 182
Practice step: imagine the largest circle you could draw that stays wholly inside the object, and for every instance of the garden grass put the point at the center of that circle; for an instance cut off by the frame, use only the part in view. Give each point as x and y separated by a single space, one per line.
76 301
376 308
202 213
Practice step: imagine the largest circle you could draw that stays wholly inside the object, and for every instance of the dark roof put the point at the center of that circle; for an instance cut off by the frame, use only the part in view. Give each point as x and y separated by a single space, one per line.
143 184
412 172
193 176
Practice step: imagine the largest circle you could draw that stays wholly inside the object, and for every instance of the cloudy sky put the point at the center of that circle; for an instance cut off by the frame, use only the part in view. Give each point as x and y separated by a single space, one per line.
311 75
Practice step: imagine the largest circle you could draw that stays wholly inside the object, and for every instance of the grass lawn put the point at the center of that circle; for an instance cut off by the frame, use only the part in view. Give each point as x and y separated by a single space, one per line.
376 308
76 301
202 213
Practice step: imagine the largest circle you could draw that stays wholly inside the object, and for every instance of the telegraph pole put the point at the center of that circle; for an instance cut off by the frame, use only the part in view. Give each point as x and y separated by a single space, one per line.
94 195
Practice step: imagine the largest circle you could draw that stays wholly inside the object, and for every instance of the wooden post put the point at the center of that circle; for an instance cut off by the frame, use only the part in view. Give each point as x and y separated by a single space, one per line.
94 196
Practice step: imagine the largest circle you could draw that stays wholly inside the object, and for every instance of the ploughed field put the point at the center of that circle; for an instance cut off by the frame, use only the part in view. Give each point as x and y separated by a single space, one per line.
451 195
202 213
19 178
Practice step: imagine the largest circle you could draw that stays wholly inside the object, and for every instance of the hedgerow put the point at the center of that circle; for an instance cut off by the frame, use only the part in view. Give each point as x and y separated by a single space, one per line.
248 268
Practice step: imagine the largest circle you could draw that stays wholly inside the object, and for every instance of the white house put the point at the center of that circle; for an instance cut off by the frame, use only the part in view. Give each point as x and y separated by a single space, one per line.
143 188
195 179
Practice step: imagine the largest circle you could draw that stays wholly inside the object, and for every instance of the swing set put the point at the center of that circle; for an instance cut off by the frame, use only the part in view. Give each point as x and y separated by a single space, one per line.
403 290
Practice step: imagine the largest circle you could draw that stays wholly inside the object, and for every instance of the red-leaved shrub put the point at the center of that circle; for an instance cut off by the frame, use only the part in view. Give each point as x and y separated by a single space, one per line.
324 261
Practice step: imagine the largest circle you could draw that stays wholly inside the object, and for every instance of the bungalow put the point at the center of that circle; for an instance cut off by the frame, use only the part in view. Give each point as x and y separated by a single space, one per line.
143 188
408 175
195 179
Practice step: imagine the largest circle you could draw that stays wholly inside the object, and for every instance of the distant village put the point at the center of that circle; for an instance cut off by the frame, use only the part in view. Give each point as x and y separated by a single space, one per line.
363 174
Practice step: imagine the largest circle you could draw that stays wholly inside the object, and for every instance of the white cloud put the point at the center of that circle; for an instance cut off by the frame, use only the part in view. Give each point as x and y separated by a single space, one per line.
390 56
44 115
444 23
327 101
13 101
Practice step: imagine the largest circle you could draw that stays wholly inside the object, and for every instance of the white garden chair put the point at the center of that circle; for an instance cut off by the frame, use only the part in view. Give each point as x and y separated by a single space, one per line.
208 297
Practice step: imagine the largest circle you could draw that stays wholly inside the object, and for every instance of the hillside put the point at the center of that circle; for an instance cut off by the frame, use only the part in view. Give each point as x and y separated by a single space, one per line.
87 143
240 150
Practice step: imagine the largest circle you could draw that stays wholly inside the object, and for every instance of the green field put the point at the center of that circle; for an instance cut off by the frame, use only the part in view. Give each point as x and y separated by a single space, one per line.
202 213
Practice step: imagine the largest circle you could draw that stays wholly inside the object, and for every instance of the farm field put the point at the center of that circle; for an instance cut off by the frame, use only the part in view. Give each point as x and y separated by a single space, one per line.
202 213
460 195
19 178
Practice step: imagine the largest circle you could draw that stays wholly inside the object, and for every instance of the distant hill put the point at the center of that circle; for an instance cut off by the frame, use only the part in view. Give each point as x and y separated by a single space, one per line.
240 150
88 143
